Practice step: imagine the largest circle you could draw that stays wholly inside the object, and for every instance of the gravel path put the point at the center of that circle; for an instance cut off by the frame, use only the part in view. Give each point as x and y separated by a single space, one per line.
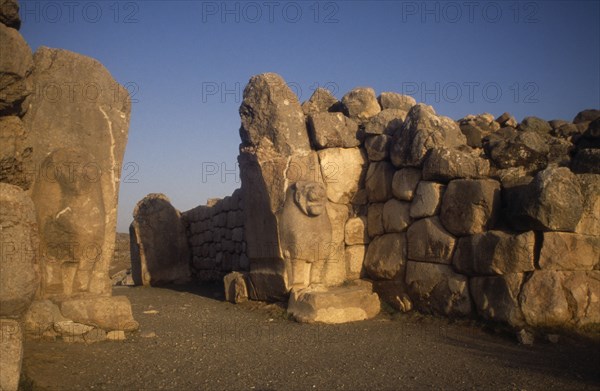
204 343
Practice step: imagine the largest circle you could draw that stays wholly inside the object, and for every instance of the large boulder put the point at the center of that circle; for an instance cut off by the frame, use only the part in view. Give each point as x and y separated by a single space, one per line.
18 260
272 117
554 298
386 257
15 154
396 216
378 181
428 241
551 201
436 289
14 71
443 165
11 354
375 220
423 130
85 131
495 252
404 183
427 199
378 147
497 298
321 101
159 233
511 148
393 100
361 103
470 206
569 251
343 170
333 130
386 122
534 124
335 305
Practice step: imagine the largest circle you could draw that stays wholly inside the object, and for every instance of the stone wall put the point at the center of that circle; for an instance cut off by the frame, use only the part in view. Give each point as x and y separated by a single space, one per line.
215 233
477 216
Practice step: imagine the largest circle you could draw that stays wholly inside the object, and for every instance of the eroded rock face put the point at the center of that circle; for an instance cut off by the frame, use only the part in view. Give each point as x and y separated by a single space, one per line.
15 154
321 101
90 161
272 118
552 201
423 130
569 251
437 289
159 234
470 206
379 181
393 100
333 130
497 298
428 241
14 71
555 298
18 261
495 252
443 165
386 257
589 223
361 103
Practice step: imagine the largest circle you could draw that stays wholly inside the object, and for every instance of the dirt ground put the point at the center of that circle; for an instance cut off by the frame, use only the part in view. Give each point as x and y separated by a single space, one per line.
204 343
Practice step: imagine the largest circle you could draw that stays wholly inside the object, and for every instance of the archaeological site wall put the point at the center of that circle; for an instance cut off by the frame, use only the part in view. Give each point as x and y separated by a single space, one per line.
478 217
215 234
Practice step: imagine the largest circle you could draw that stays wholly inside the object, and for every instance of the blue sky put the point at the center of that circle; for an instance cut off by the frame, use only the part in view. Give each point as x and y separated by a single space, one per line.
187 62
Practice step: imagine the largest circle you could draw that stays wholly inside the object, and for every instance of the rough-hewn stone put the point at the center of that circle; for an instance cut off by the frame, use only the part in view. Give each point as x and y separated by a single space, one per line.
354 259
404 183
333 130
14 70
396 216
18 262
552 201
108 313
428 241
159 234
470 206
443 165
435 288
569 251
534 124
378 147
427 199
423 130
386 257
393 100
321 101
361 103
495 252
15 154
272 118
235 288
375 220
394 293
497 298
589 223
386 122
378 181
334 305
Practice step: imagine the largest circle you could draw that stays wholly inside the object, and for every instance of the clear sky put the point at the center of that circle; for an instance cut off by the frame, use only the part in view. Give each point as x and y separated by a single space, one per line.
187 62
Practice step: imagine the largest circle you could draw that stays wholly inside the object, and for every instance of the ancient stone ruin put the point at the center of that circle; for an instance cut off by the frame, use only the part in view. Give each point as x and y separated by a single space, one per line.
343 205
346 203
60 163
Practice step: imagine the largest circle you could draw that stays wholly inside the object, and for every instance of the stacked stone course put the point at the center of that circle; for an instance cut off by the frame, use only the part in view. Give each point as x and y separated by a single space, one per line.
216 237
